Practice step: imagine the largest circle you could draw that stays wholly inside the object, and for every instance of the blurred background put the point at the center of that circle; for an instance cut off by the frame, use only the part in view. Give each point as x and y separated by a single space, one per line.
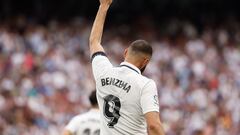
45 69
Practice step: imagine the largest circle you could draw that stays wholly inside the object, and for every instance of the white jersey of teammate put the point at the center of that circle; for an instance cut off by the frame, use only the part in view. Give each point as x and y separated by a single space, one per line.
124 96
85 124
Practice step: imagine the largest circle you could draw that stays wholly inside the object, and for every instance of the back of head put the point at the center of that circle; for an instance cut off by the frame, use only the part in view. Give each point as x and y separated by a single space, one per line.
141 47
139 54
93 99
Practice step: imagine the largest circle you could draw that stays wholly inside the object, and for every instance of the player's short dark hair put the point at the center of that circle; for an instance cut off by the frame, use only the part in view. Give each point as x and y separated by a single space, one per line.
141 46
93 98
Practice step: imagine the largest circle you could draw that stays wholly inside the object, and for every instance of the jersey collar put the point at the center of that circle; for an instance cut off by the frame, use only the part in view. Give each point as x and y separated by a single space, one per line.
130 66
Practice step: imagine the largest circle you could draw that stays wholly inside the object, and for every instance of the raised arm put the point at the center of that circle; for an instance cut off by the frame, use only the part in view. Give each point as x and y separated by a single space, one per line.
97 29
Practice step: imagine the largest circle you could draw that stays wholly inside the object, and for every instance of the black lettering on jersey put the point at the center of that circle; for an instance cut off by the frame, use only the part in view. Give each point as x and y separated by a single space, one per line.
120 84
103 82
128 88
112 81
125 85
107 81
116 82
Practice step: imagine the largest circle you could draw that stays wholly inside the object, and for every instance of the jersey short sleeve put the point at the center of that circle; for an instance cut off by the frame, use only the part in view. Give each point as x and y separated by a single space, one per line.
149 98
73 125
100 64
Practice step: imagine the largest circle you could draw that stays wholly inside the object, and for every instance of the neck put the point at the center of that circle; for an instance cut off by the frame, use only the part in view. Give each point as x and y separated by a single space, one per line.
133 62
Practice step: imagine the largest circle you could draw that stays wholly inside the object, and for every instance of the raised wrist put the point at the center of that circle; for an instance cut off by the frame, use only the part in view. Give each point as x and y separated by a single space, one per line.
104 6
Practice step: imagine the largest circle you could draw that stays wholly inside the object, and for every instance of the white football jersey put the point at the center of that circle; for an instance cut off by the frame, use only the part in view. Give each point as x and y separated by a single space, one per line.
124 96
85 124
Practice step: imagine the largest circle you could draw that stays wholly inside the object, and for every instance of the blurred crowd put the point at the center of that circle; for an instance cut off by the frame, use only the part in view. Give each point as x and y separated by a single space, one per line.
46 77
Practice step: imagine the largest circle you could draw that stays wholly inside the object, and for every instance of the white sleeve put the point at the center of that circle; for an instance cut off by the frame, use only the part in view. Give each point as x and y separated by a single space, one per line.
100 64
149 98
73 125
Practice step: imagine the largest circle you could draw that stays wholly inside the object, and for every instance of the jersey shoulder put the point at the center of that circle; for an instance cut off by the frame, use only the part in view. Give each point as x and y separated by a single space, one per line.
145 80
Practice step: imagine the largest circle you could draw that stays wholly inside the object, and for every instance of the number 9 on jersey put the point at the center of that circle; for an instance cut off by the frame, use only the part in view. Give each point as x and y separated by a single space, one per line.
111 109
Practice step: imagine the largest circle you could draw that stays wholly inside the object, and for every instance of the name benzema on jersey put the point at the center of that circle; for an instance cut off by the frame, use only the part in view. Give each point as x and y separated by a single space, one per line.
116 82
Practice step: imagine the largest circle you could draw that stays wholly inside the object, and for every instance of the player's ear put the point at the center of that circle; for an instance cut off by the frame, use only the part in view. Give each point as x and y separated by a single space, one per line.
144 65
145 62
125 53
